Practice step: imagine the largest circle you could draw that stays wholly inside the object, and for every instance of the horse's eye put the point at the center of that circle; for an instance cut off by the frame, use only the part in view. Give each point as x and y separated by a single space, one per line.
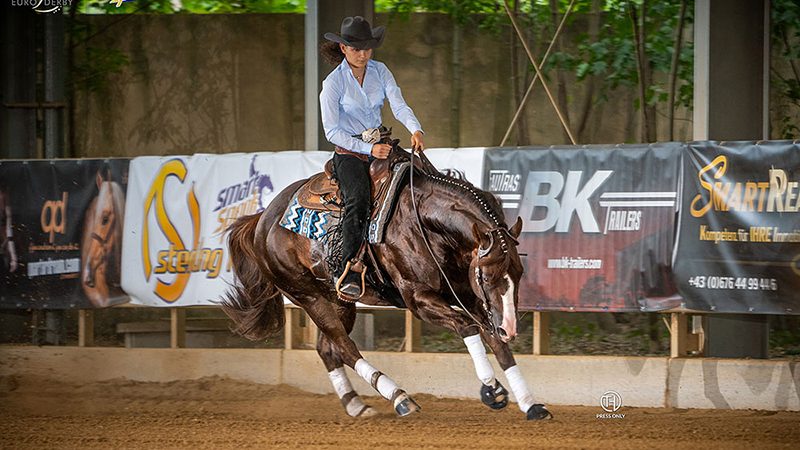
105 220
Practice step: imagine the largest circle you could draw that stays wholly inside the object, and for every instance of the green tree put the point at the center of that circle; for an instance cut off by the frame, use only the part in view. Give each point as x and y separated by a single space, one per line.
785 71
628 44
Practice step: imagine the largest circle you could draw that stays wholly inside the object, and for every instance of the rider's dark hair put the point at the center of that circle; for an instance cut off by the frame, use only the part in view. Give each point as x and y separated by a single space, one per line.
331 52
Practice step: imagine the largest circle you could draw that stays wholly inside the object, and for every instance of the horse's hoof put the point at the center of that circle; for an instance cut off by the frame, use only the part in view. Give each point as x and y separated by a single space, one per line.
405 405
368 411
539 412
494 397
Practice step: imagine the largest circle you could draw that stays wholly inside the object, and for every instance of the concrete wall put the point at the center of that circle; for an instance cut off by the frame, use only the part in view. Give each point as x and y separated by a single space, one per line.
226 83
558 380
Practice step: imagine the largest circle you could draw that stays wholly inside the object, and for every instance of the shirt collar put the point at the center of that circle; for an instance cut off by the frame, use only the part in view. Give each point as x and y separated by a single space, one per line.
345 68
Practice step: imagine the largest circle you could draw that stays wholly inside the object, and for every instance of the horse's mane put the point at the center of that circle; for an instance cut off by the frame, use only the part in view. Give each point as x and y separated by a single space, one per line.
119 206
482 200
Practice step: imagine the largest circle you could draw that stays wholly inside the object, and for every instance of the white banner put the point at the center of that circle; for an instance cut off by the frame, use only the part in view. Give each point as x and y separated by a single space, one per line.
174 248
463 163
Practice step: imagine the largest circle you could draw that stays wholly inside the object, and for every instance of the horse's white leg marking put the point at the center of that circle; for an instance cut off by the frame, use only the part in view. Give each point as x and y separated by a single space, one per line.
382 383
482 366
350 400
509 313
520 388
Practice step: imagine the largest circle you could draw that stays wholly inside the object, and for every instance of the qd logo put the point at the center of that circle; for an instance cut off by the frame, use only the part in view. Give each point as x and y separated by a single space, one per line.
54 216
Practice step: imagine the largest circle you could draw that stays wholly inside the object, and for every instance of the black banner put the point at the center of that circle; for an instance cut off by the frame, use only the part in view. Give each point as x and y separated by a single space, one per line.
62 226
598 223
739 243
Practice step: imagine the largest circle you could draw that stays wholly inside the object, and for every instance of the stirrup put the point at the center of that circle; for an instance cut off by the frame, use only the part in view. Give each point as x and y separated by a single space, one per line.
348 296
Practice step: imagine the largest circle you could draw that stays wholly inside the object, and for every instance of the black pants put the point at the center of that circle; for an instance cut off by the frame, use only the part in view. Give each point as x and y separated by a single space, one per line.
354 186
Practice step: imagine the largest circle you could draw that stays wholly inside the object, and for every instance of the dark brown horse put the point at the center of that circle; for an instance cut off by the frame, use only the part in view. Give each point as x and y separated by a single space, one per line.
467 237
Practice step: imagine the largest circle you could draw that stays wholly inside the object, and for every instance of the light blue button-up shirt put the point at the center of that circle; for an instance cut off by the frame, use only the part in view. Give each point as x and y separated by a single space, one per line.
349 108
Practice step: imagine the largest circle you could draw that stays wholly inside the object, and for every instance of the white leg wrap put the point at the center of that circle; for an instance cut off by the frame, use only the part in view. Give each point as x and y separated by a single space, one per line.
385 385
482 366
342 386
520 388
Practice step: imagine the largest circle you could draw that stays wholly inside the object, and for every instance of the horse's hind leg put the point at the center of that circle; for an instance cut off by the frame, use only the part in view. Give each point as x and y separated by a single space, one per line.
351 401
322 313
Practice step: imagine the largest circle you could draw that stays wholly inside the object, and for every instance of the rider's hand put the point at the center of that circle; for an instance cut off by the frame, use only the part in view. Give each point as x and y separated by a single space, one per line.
381 151
416 141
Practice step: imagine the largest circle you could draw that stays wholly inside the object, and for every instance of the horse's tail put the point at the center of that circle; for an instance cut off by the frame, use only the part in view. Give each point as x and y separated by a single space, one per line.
254 304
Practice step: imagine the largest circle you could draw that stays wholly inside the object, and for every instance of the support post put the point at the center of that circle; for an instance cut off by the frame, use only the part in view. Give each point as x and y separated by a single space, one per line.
541 333
300 332
177 329
413 340
289 328
678 335
310 332
731 73
85 328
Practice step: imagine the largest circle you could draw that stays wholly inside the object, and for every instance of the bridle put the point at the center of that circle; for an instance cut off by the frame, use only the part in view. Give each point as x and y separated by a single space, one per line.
103 241
482 252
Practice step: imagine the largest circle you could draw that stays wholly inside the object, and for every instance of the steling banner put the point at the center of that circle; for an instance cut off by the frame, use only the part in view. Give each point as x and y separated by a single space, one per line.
179 208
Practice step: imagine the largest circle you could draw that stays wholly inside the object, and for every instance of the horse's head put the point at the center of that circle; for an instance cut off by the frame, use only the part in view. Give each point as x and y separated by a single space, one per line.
102 234
495 271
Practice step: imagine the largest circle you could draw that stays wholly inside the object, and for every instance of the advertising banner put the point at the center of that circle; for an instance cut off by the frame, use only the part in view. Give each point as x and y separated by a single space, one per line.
61 233
739 241
598 223
175 249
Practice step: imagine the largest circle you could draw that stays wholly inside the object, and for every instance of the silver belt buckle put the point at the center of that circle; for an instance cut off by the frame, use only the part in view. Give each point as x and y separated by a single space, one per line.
371 136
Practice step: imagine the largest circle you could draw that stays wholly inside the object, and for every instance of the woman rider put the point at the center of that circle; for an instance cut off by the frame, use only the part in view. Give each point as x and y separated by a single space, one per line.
350 102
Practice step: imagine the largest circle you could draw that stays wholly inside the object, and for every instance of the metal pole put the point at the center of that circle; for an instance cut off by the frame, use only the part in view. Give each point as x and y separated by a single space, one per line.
311 76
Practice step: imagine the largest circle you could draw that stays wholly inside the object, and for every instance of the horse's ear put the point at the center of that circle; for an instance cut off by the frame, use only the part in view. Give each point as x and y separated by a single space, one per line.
99 179
480 237
517 228
476 233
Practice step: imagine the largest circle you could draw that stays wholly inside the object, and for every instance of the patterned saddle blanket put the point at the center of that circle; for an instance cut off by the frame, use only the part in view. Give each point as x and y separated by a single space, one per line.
315 210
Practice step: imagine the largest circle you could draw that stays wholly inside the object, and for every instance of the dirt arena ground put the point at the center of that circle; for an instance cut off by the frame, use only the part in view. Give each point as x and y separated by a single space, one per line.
217 413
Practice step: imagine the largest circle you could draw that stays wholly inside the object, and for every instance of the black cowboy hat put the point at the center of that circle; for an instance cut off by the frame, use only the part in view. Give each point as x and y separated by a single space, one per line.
356 32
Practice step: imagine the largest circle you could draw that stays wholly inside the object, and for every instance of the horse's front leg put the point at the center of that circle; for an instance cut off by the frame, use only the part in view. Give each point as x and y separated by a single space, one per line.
518 385
431 308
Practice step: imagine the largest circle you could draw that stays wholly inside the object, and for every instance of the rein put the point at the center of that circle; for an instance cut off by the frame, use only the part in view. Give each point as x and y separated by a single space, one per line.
438 266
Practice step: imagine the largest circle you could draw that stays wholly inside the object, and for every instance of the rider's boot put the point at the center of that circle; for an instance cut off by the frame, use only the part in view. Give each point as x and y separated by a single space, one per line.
350 284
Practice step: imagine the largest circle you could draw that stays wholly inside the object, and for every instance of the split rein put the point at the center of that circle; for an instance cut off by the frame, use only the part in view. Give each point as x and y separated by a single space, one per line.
481 253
